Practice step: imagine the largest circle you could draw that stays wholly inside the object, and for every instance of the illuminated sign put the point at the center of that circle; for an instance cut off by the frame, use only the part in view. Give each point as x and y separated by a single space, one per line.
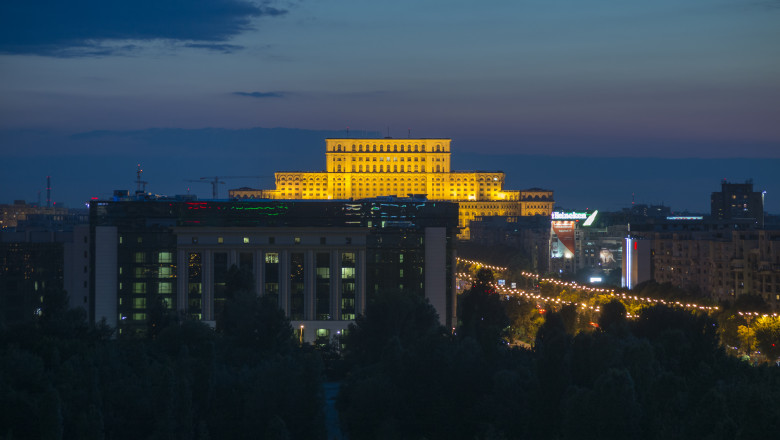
569 215
590 219
685 218
595 279
564 231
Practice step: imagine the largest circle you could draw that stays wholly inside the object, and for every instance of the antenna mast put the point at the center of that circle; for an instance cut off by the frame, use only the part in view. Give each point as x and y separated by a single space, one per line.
141 185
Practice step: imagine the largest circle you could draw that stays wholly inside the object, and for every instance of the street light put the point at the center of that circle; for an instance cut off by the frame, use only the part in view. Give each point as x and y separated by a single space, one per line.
301 335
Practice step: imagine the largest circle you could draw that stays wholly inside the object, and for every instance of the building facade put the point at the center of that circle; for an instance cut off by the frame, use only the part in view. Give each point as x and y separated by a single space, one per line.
321 261
721 264
738 201
21 211
366 168
35 260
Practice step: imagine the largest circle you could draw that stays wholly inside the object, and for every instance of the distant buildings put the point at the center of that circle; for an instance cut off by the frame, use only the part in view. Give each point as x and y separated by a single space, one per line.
564 243
20 211
320 260
39 255
366 168
721 257
738 201
718 263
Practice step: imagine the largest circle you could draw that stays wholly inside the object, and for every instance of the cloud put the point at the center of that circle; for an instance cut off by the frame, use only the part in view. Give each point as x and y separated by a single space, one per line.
216 47
94 27
262 94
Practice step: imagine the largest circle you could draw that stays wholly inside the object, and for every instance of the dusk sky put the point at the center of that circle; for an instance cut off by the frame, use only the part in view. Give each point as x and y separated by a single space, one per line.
568 95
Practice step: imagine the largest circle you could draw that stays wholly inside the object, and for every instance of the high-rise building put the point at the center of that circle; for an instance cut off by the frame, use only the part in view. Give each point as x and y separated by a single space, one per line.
320 260
738 201
636 262
365 168
43 252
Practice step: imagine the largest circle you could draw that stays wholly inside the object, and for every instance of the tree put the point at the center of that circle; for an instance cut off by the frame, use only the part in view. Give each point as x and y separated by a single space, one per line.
481 313
747 338
767 336
160 317
524 319
751 303
256 323
570 319
552 356
401 318
613 315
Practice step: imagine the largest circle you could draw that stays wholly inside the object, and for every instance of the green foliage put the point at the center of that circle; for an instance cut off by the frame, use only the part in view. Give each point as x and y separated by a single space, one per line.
662 375
481 314
767 336
60 378
747 338
524 320
393 319
613 316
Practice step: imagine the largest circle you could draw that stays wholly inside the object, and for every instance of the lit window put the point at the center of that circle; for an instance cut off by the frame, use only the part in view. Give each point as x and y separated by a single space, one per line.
220 240
165 257
165 288
246 240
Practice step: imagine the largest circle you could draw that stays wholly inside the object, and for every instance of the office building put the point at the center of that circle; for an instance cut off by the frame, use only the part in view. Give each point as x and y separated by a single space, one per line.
738 201
320 260
36 260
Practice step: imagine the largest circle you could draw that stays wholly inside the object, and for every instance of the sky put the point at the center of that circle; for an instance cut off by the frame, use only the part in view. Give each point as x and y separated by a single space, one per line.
595 100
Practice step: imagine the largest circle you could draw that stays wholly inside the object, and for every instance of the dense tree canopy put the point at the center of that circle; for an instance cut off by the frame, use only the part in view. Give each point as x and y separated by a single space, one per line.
661 375
62 379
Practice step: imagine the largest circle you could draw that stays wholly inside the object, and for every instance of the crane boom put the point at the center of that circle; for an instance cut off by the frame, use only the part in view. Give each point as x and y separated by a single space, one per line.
215 181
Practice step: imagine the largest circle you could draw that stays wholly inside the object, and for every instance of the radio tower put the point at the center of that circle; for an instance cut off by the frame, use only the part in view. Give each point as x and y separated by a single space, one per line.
141 184
48 191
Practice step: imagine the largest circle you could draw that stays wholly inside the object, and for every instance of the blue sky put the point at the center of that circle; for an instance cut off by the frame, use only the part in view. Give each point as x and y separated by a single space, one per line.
668 79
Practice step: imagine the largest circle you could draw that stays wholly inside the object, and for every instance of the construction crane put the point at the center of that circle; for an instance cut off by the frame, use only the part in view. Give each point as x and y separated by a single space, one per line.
216 181
213 183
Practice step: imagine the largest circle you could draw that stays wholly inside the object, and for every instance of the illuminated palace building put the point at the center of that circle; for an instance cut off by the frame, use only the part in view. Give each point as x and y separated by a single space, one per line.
366 168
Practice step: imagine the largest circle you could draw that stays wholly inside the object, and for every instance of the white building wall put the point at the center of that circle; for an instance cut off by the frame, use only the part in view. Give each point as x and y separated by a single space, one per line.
106 274
436 270
76 270
636 262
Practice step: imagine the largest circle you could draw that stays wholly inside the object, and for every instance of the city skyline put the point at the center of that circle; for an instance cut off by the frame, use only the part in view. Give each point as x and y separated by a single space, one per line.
90 90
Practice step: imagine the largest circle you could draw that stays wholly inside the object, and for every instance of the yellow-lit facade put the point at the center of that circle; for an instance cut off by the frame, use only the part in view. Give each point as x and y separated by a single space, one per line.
365 168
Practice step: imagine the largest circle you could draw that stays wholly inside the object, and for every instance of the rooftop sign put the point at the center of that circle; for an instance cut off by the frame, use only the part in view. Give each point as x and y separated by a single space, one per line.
569 215
685 218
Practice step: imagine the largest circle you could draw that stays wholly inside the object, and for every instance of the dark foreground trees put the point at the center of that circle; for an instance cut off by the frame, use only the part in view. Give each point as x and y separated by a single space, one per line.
61 380
662 375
